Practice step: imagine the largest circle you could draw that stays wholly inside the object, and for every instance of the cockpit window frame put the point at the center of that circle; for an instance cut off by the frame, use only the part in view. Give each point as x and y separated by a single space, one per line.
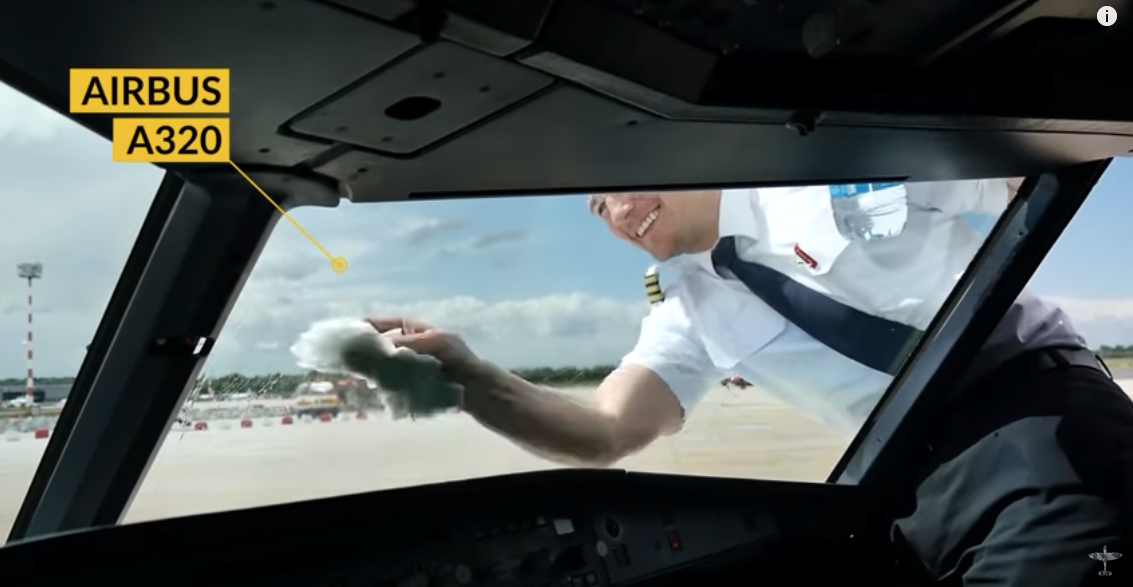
166 196
1011 254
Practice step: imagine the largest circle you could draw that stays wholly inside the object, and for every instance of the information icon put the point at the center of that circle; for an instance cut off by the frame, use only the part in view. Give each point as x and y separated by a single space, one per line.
1107 15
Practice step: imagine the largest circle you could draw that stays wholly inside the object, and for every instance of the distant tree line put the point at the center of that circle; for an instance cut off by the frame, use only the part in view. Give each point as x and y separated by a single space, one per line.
285 383
43 380
1116 352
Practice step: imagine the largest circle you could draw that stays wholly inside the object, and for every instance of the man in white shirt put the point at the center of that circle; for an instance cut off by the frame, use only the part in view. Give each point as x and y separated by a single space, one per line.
718 319
711 321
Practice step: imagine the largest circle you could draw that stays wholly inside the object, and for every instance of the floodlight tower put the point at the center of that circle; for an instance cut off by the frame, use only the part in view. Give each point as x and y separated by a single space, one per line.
30 272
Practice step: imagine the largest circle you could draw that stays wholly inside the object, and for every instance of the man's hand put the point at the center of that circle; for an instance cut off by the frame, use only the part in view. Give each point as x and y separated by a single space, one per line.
447 347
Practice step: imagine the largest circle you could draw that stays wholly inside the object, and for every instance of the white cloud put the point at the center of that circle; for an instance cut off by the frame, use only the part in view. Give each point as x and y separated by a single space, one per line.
419 230
1093 309
565 329
24 119
489 240
63 203
569 329
1102 321
279 303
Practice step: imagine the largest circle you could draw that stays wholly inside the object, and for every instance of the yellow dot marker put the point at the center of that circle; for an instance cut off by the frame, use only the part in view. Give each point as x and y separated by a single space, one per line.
337 264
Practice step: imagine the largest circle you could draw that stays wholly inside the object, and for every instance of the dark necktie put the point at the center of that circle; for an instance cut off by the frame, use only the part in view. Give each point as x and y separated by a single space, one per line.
872 341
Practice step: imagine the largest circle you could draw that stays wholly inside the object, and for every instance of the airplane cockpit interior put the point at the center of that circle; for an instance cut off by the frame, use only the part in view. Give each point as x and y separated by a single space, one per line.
344 110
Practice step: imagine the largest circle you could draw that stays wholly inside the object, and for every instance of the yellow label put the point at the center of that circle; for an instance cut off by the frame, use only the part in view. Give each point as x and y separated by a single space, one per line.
170 140
149 91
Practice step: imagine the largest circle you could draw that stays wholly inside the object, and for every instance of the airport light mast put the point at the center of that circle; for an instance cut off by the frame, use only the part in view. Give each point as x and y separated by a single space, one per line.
30 272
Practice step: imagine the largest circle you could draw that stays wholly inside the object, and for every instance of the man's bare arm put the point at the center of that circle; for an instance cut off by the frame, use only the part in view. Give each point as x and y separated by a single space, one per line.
634 407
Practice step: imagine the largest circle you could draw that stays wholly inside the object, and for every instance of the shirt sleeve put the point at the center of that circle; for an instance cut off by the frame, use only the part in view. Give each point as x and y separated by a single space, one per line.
668 347
980 196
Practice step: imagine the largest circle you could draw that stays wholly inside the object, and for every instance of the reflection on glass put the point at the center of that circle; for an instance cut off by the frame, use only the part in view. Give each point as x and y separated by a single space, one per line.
537 286
869 211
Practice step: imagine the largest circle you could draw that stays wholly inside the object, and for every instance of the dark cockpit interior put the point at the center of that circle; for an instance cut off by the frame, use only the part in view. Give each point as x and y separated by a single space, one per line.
375 101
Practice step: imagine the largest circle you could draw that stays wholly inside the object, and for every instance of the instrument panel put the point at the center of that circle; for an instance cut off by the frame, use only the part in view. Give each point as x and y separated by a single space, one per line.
554 549
565 528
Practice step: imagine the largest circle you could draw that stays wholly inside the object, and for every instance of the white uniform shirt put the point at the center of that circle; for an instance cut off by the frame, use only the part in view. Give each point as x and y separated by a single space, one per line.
710 326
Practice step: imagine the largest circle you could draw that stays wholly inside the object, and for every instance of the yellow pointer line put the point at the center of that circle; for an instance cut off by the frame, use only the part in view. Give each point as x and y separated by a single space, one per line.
338 264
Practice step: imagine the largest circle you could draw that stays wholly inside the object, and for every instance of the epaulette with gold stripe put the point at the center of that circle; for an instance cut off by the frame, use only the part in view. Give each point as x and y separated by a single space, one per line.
653 286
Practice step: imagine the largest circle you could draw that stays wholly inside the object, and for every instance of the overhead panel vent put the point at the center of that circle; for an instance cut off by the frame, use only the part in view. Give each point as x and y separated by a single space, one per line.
422 99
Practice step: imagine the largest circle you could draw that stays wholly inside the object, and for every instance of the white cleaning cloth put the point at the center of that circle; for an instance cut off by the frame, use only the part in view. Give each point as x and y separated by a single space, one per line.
412 385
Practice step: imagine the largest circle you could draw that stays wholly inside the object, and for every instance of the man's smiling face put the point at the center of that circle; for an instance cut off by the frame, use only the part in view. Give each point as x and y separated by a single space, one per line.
656 222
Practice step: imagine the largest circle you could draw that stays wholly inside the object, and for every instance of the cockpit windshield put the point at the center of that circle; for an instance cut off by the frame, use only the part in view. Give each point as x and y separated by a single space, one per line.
563 291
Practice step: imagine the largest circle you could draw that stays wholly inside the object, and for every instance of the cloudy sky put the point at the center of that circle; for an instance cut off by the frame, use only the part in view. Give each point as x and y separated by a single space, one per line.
530 281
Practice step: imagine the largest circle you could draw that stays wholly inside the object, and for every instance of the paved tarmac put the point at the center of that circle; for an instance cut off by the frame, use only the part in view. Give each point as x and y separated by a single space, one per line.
733 433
